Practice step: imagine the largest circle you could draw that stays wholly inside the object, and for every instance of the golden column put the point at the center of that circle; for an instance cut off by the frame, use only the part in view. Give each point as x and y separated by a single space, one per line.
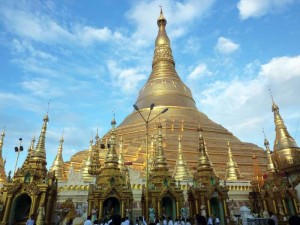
147 121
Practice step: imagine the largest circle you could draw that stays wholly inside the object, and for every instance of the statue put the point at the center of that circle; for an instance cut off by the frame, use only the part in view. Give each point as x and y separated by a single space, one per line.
183 212
152 215
203 211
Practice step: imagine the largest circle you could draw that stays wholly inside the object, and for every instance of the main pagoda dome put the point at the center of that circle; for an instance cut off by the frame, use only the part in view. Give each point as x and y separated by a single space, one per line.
165 89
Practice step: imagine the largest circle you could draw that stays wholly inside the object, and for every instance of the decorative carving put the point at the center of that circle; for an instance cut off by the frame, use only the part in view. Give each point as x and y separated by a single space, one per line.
14 188
32 189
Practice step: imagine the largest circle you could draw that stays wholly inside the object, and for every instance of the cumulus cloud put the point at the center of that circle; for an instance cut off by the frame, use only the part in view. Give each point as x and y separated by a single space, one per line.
258 8
246 104
199 71
127 79
226 46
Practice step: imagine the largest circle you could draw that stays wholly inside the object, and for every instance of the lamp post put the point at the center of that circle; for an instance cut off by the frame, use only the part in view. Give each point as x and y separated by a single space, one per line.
18 150
147 121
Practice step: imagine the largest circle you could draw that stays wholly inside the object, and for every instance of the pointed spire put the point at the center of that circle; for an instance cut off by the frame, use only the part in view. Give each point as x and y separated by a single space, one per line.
271 167
283 139
286 152
164 80
40 148
204 161
111 158
232 171
58 163
35 162
162 37
160 160
85 169
181 171
95 167
152 153
2 162
30 150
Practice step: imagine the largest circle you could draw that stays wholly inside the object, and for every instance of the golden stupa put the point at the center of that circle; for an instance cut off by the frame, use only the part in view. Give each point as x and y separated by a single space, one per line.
165 88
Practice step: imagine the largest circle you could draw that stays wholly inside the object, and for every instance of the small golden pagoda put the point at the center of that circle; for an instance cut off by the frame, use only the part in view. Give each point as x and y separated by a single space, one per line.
112 192
232 171
58 163
86 165
32 190
276 192
207 197
277 195
2 161
286 154
181 171
164 196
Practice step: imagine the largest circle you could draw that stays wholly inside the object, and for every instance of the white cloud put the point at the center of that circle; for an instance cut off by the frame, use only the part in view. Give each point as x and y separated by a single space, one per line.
226 46
127 79
244 106
42 87
41 27
199 72
258 8
282 69
181 15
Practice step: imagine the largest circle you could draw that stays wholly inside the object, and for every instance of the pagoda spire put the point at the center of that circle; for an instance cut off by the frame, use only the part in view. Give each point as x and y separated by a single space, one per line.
232 171
286 152
271 167
40 150
94 168
283 138
164 80
85 169
58 163
204 161
181 171
111 158
2 161
160 160
205 174
35 163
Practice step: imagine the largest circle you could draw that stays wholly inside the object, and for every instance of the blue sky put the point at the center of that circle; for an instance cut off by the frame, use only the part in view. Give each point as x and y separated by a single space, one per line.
92 57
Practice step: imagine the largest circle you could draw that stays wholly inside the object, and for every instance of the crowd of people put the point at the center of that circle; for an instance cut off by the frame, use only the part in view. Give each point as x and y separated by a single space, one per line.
198 220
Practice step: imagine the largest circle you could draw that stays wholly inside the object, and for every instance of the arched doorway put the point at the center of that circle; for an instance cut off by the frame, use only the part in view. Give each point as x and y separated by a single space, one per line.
217 209
168 207
20 209
111 206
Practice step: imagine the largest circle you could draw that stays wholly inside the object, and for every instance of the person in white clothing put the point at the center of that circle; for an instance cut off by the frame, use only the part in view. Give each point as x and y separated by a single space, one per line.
170 221
210 221
273 217
187 222
164 220
88 221
31 220
217 221
176 222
